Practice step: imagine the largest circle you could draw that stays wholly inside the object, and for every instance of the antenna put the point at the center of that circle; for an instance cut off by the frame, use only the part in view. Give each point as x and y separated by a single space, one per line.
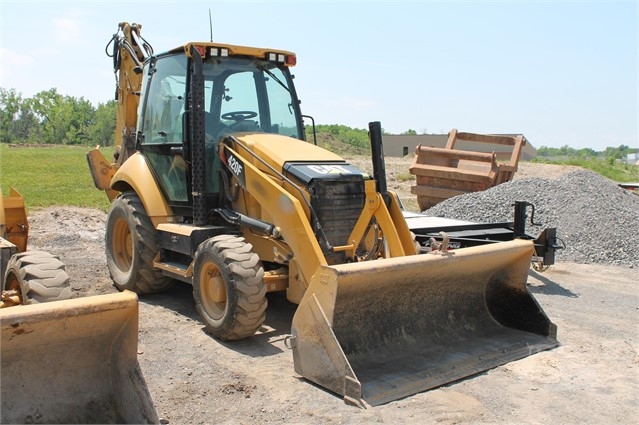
211 24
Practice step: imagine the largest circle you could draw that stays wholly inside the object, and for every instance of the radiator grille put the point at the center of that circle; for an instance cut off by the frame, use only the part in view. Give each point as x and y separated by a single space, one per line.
337 204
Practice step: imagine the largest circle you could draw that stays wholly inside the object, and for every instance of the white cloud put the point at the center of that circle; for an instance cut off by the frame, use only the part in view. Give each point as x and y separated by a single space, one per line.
12 62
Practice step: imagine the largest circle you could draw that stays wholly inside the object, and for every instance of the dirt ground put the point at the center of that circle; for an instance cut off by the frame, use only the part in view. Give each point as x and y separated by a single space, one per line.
591 378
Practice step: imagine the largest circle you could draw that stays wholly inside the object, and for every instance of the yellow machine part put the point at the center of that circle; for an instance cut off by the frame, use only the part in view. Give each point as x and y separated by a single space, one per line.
13 219
382 330
102 172
134 174
73 361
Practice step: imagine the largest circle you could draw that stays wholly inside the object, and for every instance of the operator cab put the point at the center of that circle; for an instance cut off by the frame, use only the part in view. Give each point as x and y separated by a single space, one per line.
245 90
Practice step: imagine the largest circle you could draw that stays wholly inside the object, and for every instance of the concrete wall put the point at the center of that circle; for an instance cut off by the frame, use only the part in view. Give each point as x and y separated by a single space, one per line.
405 145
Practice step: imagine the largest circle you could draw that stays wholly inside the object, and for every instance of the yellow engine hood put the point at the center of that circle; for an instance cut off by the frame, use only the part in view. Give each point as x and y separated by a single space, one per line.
277 150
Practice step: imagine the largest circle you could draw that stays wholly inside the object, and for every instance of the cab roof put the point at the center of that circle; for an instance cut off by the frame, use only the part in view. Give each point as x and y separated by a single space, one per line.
207 49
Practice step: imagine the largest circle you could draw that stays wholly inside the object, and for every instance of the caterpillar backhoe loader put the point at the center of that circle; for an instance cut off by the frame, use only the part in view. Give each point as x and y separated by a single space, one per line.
63 360
213 184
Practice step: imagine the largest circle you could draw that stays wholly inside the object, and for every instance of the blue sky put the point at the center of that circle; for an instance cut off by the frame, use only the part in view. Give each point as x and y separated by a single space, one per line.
561 73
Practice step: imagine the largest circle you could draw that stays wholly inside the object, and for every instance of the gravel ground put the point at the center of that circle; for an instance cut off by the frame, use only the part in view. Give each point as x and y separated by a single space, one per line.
597 220
592 378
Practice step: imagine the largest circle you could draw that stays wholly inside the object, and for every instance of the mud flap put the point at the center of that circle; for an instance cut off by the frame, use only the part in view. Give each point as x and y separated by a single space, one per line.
102 172
74 361
382 330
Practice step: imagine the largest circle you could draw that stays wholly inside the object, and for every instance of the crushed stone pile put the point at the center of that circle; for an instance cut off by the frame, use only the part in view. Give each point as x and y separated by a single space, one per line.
597 220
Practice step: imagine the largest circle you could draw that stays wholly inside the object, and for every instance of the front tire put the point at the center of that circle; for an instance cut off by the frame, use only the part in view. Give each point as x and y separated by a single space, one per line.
131 247
229 292
38 277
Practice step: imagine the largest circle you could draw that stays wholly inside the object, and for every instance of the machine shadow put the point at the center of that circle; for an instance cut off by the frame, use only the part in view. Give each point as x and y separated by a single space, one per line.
549 287
178 298
272 338
275 329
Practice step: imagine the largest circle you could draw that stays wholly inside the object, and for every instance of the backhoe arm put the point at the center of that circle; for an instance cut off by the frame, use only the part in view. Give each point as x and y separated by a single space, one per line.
129 52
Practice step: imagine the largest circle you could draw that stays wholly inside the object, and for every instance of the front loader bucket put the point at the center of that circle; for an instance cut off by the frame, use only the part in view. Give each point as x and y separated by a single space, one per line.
382 330
73 361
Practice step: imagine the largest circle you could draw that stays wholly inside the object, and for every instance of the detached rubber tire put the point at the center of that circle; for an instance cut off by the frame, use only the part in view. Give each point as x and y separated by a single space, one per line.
38 276
131 247
229 292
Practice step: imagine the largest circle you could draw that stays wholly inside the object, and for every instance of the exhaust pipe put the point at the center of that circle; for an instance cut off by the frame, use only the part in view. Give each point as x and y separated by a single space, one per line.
377 152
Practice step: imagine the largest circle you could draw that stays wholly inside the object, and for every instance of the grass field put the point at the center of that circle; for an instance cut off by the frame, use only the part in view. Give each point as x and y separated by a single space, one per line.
46 176
59 175
615 171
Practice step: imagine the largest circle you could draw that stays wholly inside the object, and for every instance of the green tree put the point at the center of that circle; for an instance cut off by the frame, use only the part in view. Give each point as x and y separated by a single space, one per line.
10 104
26 127
619 152
102 131
47 107
64 119
82 118
586 153
352 136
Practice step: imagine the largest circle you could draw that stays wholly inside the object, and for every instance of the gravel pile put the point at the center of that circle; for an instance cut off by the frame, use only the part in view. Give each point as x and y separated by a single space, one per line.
597 220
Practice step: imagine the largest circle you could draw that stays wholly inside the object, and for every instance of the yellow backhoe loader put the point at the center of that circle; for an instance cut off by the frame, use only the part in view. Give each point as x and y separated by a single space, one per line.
63 360
213 184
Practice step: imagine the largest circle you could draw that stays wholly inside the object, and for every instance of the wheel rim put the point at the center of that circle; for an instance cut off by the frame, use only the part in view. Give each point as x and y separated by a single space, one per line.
122 245
13 284
213 290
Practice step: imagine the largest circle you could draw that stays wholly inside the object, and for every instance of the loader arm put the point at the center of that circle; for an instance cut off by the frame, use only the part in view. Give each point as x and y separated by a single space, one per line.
129 51
287 212
400 240
294 222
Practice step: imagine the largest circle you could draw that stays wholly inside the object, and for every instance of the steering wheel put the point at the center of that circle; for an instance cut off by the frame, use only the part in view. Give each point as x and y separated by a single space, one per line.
239 115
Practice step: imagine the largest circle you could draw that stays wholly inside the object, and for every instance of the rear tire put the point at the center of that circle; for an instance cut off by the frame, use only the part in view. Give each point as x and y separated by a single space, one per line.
38 277
131 247
228 288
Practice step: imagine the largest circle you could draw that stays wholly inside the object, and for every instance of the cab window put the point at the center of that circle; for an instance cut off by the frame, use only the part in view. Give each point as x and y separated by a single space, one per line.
162 126
165 102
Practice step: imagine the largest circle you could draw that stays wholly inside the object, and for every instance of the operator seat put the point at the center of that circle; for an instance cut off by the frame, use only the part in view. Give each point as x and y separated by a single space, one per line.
212 138
212 127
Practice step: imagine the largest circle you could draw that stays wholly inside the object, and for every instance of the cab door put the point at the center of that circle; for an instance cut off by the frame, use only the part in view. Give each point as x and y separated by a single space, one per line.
162 126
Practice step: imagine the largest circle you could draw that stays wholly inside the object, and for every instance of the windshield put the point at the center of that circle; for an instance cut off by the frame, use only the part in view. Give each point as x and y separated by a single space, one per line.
249 95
